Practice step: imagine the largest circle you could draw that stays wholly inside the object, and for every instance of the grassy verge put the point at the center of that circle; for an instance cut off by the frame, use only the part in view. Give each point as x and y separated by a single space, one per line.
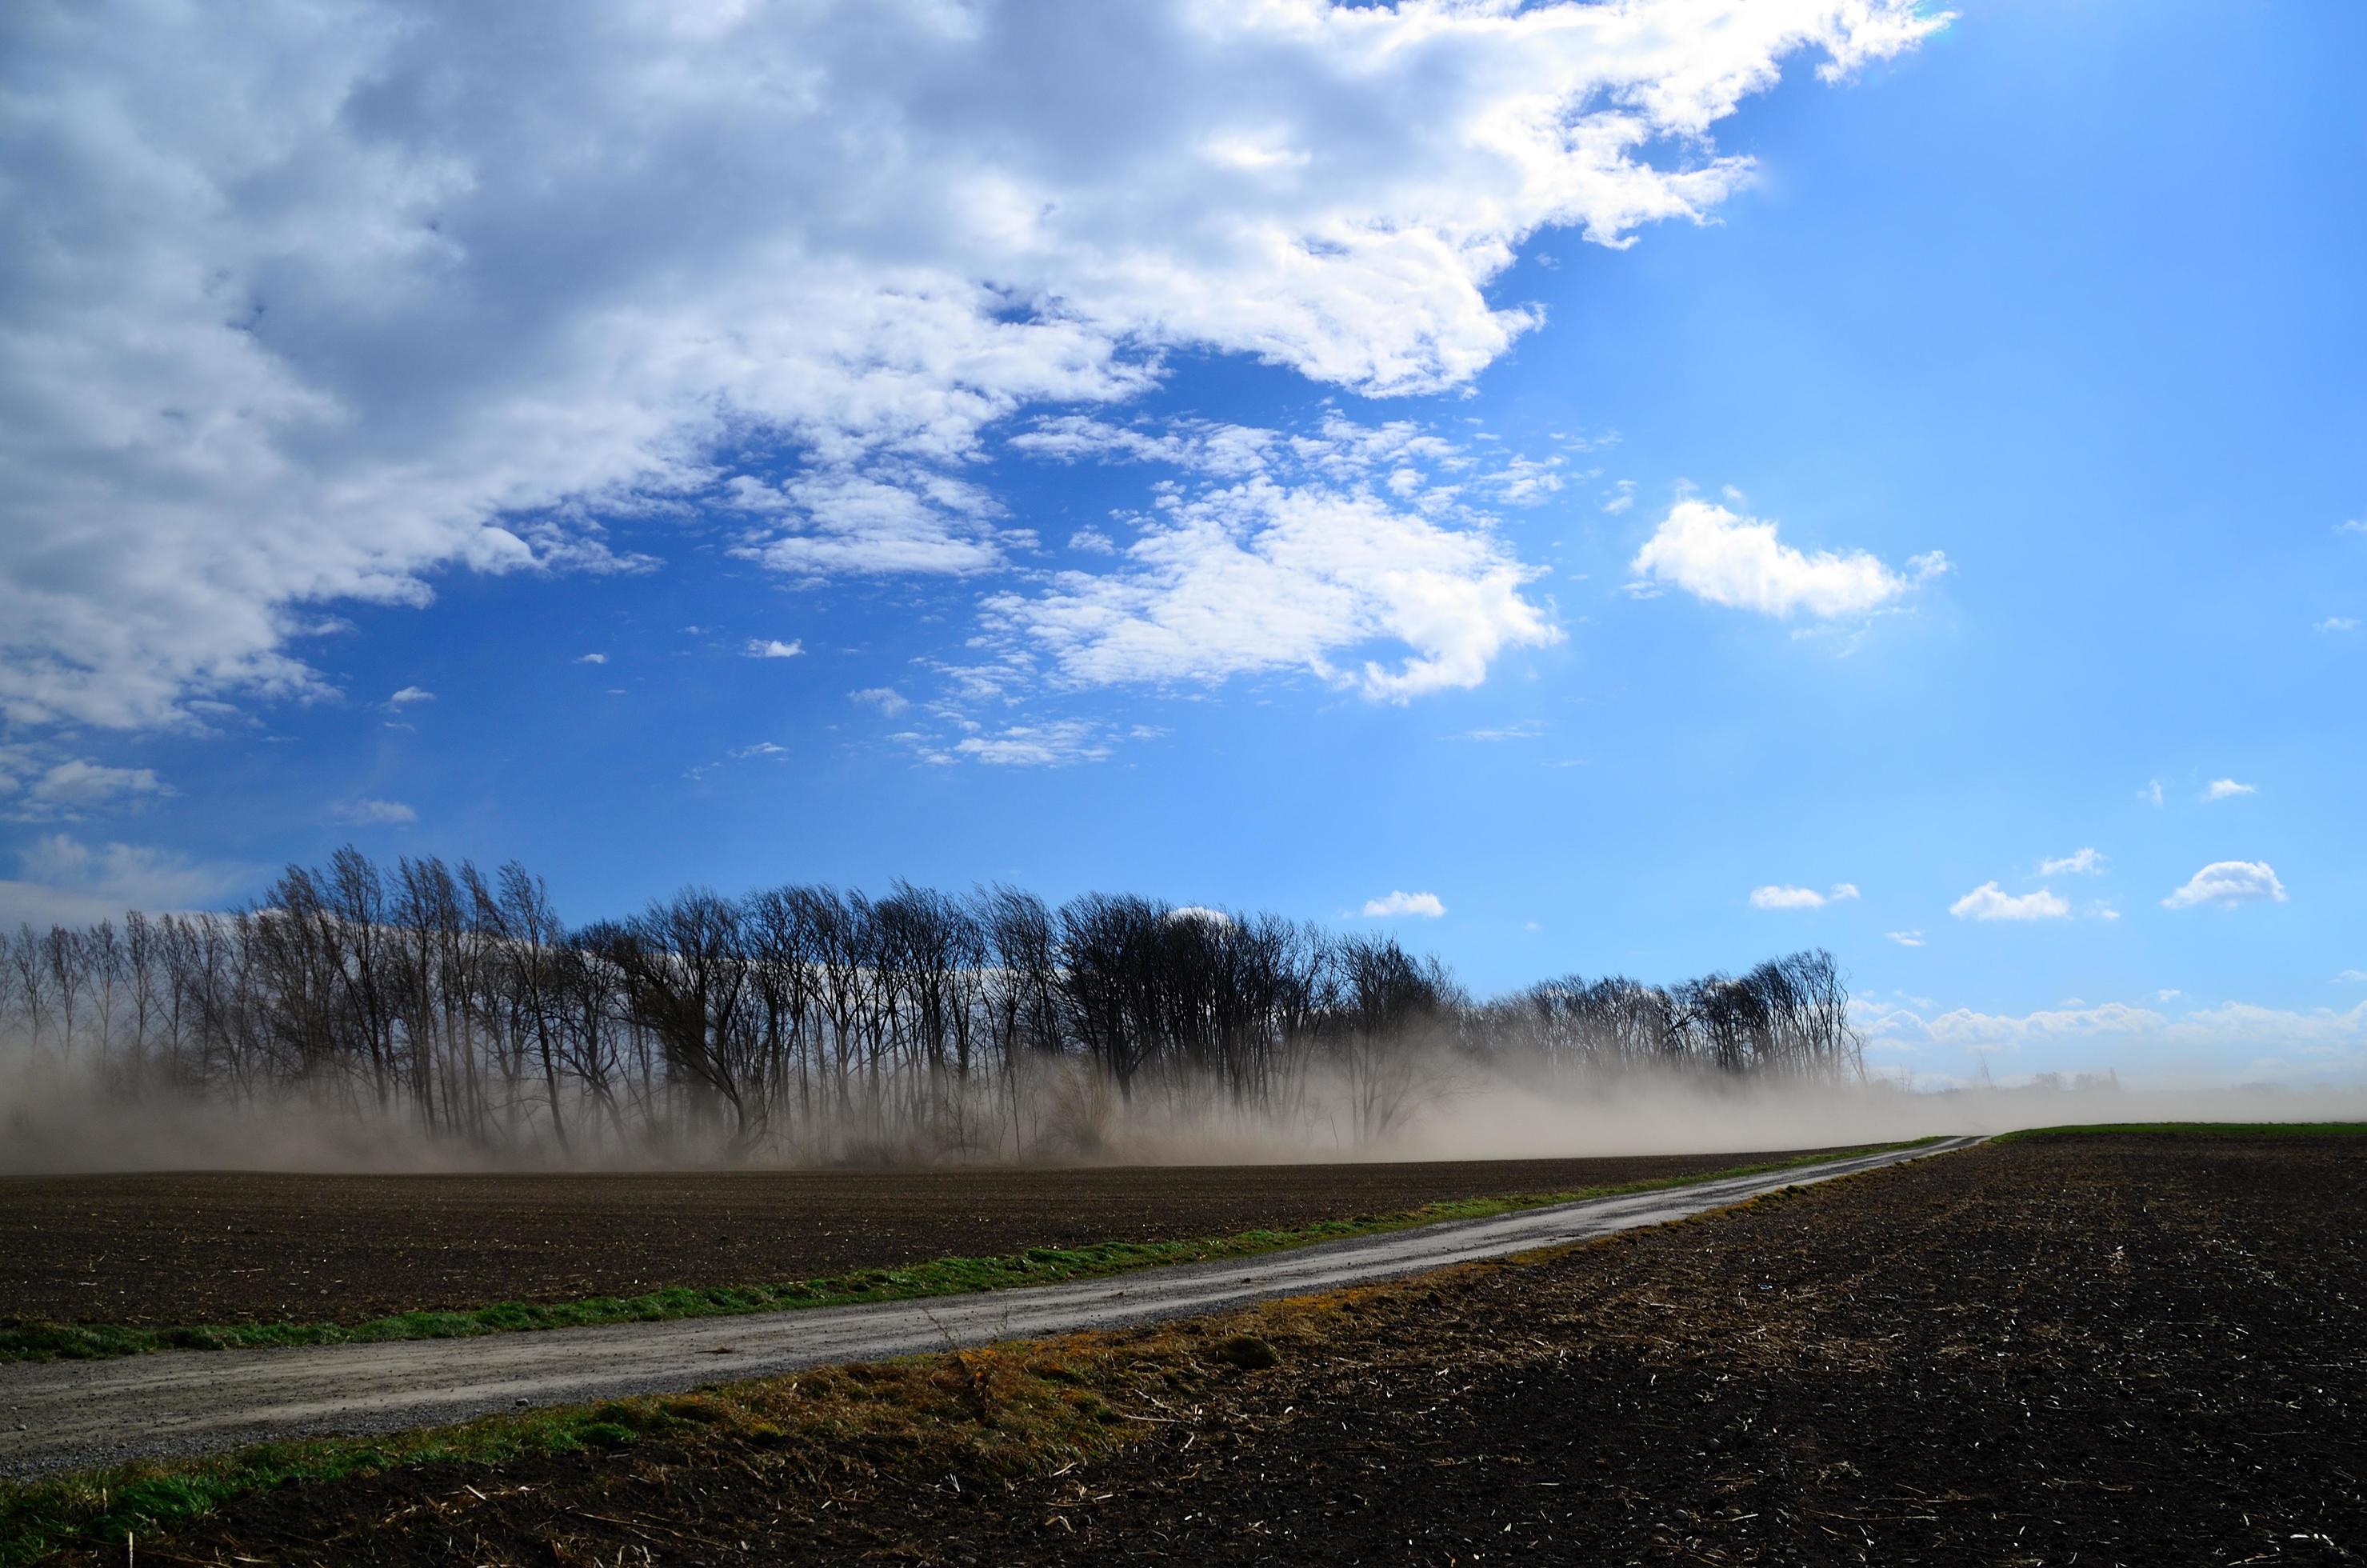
1006 1410
1003 1411
940 1277
2194 1129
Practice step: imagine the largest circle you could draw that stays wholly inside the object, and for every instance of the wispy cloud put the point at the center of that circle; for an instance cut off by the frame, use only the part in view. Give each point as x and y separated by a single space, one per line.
62 879
374 813
34 788
2080 862
1906 938
886 699
771 648
2151 793
2228 789
410 695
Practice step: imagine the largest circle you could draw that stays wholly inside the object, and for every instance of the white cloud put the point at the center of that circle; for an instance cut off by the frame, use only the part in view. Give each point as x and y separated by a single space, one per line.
591 658
38 790
375 813
2229 882
2352 976
886 699
1200 911
2151 793
2337 623
1988 902
1057 743
2302 1045
1726 559
761 748
2355 526
1399 903
2080 862
1261 575
771 648
1779 897
1623 496
304 305
64 881
1525 730
409 695
2228 789
1906 938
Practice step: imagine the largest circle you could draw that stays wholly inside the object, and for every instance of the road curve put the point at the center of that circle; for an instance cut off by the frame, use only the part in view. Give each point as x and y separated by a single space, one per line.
59 1415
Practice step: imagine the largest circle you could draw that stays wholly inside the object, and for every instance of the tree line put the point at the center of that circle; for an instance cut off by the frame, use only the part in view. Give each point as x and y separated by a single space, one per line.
812 1022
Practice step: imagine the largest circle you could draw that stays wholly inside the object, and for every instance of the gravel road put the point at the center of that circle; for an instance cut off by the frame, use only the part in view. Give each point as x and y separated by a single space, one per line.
62 1415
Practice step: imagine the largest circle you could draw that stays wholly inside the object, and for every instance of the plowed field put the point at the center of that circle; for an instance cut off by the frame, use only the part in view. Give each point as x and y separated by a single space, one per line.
149 1249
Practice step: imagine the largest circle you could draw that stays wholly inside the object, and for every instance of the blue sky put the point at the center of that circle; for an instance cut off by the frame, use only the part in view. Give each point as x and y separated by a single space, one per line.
1261 459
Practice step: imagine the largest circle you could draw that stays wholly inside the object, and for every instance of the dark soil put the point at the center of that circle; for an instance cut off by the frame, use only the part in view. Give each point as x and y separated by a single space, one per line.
2139 1351
168 1250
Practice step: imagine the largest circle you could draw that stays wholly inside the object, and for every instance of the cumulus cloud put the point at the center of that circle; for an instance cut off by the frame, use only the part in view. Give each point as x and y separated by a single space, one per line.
2337 623
1199 911
1398 903
409 695
771 648
375 813
2352 976
2228 883
302 306
1906 938
2228 789
1266 575
1779 897
2088 862
886 699
1727 559
591 658
1988 902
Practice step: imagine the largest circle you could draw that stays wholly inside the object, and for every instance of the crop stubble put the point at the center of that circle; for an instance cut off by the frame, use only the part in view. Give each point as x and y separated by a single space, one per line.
226 1248
2135 1350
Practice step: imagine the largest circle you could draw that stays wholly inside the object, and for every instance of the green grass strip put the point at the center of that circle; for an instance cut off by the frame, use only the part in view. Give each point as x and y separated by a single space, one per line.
2192 1129
940 1277
98 1511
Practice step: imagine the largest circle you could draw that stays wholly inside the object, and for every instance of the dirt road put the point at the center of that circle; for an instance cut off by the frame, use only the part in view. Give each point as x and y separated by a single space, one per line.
62 1415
